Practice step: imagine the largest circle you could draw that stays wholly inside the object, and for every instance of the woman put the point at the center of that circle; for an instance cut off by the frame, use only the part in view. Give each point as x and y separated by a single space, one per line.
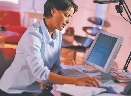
37 57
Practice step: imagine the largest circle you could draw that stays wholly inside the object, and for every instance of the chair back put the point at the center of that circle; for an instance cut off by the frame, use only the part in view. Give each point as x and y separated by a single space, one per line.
10 18
95 20
83 41
68 35
6 58
68 38
32 16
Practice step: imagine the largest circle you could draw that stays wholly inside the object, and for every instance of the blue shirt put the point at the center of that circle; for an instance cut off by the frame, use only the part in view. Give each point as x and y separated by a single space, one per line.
35 55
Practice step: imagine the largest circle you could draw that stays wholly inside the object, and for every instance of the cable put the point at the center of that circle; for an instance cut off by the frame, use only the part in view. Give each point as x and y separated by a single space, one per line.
125 18
127 12
119 9
127 63
127 7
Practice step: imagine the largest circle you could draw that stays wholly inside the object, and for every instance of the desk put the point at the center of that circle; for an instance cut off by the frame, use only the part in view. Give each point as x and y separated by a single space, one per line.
4 35
118 87
55 93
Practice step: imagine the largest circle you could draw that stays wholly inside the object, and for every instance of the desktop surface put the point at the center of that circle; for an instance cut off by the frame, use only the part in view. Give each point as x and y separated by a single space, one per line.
118 87
82 72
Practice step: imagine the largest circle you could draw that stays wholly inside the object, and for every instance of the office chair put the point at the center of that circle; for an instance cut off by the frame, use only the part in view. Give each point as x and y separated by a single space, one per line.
6 58
82 43
98 25
93 30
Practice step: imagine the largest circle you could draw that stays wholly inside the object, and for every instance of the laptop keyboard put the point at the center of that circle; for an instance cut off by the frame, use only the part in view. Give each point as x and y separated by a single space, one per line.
73 73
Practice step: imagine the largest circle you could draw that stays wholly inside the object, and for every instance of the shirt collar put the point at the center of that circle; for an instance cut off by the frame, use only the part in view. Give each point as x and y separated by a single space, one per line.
46 34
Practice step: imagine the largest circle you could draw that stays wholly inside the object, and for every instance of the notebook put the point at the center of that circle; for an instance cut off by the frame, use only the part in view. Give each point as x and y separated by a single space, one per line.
79 90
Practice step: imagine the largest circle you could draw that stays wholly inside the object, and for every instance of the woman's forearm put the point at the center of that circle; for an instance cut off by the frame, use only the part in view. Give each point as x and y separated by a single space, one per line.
59 79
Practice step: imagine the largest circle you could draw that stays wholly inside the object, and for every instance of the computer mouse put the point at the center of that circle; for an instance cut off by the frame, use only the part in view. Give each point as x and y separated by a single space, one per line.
111 90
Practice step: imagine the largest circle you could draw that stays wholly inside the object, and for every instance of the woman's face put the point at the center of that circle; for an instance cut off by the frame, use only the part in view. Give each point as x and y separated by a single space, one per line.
61 18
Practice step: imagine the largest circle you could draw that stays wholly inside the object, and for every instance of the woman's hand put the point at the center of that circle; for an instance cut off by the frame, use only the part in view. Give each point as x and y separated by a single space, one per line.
41 85
87 81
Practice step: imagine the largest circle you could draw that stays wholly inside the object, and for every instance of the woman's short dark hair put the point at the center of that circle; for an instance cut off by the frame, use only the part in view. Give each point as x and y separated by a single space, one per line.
59 5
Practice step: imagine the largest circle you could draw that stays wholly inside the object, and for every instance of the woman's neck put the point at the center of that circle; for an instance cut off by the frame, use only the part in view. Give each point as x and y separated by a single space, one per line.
49 25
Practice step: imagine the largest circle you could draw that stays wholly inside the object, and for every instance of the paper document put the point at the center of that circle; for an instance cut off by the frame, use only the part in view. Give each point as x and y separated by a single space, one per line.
79 90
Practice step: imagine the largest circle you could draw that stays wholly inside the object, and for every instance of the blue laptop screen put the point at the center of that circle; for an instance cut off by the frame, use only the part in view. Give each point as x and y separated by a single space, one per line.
102 49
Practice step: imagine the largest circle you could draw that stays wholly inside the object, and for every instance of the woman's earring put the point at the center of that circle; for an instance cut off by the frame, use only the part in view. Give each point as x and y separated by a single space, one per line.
52 11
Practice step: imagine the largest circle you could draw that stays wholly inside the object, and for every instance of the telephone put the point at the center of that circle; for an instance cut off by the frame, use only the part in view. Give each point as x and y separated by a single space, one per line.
127 90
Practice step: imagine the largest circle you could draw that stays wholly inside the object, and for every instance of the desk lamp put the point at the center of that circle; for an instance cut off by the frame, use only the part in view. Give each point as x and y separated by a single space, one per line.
119 9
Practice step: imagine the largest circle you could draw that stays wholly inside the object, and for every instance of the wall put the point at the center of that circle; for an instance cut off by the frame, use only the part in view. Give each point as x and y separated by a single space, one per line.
11 6
86 9
27 5
23 5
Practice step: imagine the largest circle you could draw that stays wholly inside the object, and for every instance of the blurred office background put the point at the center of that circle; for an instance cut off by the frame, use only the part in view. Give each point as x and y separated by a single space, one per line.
86 10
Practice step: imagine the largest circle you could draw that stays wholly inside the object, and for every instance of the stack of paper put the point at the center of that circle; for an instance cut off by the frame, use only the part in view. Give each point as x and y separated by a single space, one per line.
79 90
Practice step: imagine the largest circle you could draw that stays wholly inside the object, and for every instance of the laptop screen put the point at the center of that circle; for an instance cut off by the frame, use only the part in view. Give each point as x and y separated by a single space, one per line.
102 49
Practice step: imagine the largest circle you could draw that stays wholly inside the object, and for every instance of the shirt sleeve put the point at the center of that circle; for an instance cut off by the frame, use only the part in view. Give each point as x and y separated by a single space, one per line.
32 46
